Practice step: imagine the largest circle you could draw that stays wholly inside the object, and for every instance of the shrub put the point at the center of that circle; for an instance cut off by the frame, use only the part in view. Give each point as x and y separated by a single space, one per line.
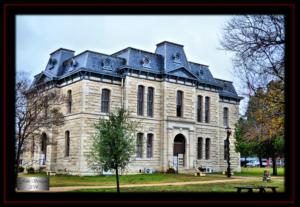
30 170
21 169
171 171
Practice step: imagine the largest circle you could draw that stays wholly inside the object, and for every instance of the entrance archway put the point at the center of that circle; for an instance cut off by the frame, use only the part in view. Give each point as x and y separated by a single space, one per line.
179 149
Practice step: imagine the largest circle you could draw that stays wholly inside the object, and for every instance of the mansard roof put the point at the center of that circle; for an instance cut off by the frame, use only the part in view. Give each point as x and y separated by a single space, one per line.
227 89
169 59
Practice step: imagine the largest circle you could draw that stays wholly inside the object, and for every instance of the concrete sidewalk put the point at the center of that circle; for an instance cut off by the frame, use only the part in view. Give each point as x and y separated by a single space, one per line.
70 188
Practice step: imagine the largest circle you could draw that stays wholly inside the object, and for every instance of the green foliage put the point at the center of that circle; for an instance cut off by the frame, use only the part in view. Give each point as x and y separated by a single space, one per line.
113 143
243 145
30 170
171 171
20 169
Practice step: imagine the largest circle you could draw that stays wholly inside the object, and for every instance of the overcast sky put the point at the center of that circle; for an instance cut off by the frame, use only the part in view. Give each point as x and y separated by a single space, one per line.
37 36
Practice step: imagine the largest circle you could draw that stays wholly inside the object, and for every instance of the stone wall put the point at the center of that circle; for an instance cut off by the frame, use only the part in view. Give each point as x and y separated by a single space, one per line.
164 125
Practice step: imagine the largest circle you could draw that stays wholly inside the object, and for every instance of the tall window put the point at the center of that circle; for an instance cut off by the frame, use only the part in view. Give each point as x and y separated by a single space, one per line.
140 101
69 102
139 145
150 101
207 148
149 145
179 100
200 145
199 109
67 144
207 103
105 100
225 116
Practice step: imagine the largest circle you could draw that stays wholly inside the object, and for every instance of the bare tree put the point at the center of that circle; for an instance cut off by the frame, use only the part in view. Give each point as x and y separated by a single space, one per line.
36 109
258 43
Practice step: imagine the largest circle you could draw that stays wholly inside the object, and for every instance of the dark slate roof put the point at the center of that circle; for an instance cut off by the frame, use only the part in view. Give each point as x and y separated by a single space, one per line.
227 89
136 58
169 59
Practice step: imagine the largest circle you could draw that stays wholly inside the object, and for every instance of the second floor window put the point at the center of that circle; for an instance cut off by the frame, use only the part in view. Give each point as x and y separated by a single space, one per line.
179 100
105 101
140 101
207 105
199 109
225 116
69 102
139 145
150 101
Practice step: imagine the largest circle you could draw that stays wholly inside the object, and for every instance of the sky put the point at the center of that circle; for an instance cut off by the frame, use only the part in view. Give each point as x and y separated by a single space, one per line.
39 35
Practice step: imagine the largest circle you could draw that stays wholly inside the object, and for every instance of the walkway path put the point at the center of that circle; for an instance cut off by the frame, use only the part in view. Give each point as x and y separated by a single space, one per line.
236 179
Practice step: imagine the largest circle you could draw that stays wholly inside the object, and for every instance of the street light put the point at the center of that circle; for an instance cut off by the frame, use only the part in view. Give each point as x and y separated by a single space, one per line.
228 131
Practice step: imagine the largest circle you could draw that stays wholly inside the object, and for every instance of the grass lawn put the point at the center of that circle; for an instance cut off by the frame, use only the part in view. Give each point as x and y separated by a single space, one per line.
214 187
256 171
69 180
63 180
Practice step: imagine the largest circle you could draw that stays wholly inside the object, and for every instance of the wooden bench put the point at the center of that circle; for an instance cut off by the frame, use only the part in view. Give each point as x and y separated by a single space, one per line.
262 189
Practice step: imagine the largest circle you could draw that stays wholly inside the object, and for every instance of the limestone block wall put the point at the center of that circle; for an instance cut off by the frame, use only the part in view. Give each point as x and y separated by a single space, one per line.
164 125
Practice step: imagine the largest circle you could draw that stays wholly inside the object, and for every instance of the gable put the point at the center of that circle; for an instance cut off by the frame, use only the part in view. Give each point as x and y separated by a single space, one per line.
42 78
182 72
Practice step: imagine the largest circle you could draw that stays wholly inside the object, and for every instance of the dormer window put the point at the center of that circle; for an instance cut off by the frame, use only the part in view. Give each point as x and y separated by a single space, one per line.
52 62
74 63
106 64
146 62
176 57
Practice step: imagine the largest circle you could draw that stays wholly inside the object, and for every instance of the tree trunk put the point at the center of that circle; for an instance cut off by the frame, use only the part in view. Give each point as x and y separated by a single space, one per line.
274 165
117 179
260 161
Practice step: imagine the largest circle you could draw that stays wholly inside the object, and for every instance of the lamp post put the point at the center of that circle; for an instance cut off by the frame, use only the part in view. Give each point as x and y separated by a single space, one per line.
228 131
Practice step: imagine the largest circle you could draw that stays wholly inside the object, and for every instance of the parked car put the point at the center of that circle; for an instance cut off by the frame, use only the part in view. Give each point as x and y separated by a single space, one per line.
253 163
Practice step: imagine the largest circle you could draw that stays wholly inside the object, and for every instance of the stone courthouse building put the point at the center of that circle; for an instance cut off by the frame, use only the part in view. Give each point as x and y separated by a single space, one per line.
183 109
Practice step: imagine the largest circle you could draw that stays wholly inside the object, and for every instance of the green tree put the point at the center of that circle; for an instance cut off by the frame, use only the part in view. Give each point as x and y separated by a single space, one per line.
243 145
113 143
265 123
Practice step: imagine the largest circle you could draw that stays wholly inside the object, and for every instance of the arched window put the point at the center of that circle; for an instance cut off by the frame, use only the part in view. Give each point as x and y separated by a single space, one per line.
140 100
105 97
150 101
225 116
207 148
139 145
69 102
200 146
67 144
199 109
207 105
149 145
179 103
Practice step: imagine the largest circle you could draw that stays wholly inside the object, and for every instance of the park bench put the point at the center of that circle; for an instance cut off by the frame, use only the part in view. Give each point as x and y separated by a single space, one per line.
262 189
